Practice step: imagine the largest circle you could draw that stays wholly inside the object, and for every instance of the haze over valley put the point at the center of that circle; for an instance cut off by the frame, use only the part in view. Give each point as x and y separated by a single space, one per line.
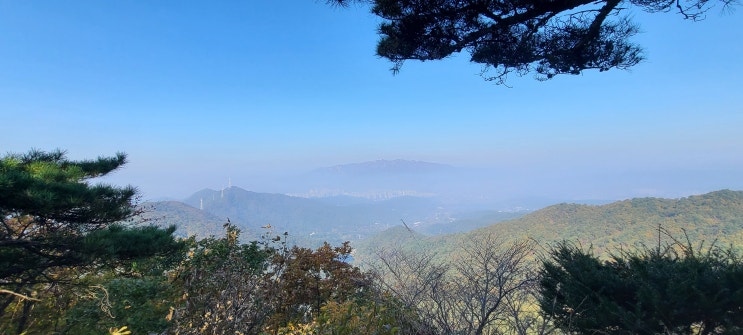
357 167
354 202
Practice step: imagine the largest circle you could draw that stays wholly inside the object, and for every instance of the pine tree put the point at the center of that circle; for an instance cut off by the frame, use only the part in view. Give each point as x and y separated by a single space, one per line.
544 38
677 289
55 224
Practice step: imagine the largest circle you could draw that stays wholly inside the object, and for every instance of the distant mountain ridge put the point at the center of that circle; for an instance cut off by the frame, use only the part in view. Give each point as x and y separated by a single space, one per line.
715 216
310 220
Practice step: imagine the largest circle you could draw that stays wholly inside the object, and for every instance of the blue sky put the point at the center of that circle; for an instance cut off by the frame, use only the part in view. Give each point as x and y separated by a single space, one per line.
198 92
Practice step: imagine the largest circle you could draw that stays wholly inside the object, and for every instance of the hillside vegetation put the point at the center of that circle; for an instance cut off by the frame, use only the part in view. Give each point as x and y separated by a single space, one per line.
189 221
715 216
69 265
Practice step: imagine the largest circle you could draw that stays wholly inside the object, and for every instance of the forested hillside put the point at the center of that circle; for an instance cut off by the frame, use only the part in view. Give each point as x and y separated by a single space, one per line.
99 275
715 216
188 220
308 221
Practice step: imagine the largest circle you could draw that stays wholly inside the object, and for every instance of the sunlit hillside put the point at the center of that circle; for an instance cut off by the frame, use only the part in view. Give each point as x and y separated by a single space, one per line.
713 217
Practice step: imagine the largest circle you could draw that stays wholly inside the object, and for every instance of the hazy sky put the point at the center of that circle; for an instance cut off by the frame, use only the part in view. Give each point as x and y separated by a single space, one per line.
197 92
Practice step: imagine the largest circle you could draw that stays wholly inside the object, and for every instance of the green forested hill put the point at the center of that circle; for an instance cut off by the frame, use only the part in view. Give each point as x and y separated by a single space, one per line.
708 217
189 220
712 216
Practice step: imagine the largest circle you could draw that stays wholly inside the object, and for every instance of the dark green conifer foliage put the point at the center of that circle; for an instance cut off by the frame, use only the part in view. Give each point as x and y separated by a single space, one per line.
55 223
53 218
671 290
546 38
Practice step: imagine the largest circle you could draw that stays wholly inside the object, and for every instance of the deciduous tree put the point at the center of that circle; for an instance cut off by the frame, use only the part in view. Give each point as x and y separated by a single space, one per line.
226 287
477 292
309 279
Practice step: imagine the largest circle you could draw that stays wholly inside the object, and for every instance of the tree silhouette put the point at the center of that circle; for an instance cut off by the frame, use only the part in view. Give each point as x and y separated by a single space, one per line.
546 38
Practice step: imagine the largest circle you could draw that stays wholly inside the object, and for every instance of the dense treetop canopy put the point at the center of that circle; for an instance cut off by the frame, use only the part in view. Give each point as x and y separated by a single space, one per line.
544 37
673 289
51 218
55 188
